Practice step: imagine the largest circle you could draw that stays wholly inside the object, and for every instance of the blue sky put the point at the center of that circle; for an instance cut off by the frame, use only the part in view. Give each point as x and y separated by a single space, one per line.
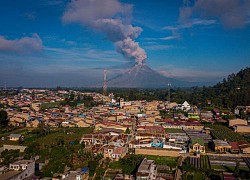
66 43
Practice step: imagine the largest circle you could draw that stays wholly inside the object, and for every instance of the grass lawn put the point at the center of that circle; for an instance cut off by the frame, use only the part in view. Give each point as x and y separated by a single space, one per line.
164 160
172 130
115 165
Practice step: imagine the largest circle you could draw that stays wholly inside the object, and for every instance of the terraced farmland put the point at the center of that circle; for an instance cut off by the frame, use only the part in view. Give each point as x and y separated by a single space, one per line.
202 162
205 163
228 163
195 161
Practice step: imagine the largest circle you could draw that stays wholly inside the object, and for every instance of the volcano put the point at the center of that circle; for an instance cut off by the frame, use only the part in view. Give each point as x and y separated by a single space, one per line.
142 76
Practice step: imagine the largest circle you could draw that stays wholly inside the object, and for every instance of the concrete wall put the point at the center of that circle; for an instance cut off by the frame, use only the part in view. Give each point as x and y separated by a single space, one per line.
242 129
157 152
14 147
233 122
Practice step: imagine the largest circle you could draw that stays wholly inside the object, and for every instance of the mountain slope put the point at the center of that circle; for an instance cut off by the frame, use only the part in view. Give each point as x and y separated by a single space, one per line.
142 76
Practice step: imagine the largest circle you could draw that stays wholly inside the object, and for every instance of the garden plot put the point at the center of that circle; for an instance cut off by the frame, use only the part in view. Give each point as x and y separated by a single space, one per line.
218 161
195 161
247 161
200 162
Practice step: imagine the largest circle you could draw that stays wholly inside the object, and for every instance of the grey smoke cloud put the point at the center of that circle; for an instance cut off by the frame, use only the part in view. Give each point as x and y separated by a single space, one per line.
232 13
111 18
22 45
131 49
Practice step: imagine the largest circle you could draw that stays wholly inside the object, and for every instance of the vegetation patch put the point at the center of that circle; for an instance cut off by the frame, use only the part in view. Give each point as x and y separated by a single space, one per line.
222 132
164 160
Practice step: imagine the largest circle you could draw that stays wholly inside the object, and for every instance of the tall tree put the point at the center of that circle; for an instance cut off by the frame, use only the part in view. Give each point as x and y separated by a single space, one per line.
3 118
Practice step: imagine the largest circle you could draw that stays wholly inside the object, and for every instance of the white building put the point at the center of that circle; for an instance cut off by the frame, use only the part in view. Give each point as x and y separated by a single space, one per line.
147 170
185 106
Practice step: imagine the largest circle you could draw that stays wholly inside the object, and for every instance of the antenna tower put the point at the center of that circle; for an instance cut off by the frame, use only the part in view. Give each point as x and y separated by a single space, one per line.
105 86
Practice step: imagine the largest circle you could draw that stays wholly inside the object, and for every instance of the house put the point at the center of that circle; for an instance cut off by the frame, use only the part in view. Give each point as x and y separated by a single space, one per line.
244 147
179 138
33 124
206 115
20 170
110 131
242 129
114 152
206 130
82 124
147 170
14 147
220 146
15 137
197 145
234 122
123 177
185 106
82 174
199 134
244 109
234 147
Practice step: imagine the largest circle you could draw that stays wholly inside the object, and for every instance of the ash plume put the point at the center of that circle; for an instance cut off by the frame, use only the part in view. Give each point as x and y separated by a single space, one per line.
111 18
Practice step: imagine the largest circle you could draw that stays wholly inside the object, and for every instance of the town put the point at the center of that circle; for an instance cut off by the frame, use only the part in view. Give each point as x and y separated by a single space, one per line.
70 134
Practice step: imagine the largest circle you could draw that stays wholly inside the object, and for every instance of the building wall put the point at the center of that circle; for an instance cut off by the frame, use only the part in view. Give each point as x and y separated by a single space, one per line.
246 150
242 129
222 148
26 173
157 152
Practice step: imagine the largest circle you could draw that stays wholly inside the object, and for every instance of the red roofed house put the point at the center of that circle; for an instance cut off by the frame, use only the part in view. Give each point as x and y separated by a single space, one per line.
234 147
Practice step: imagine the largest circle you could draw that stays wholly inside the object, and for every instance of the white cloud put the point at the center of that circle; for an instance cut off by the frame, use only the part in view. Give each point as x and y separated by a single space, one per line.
22 45
158 47
191 23
88 11
170 37
231 13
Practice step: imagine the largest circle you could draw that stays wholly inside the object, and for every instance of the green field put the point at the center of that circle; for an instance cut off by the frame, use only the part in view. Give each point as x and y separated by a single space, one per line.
223 132
49 105
115 165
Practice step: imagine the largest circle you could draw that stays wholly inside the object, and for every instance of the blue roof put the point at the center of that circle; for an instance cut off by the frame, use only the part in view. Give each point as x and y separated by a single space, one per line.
85 169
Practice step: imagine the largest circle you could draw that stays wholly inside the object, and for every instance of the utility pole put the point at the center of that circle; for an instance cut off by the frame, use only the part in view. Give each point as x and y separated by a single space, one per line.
169 85
5 86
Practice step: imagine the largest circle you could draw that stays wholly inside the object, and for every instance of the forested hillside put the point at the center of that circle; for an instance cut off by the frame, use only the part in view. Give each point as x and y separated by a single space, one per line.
233 91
